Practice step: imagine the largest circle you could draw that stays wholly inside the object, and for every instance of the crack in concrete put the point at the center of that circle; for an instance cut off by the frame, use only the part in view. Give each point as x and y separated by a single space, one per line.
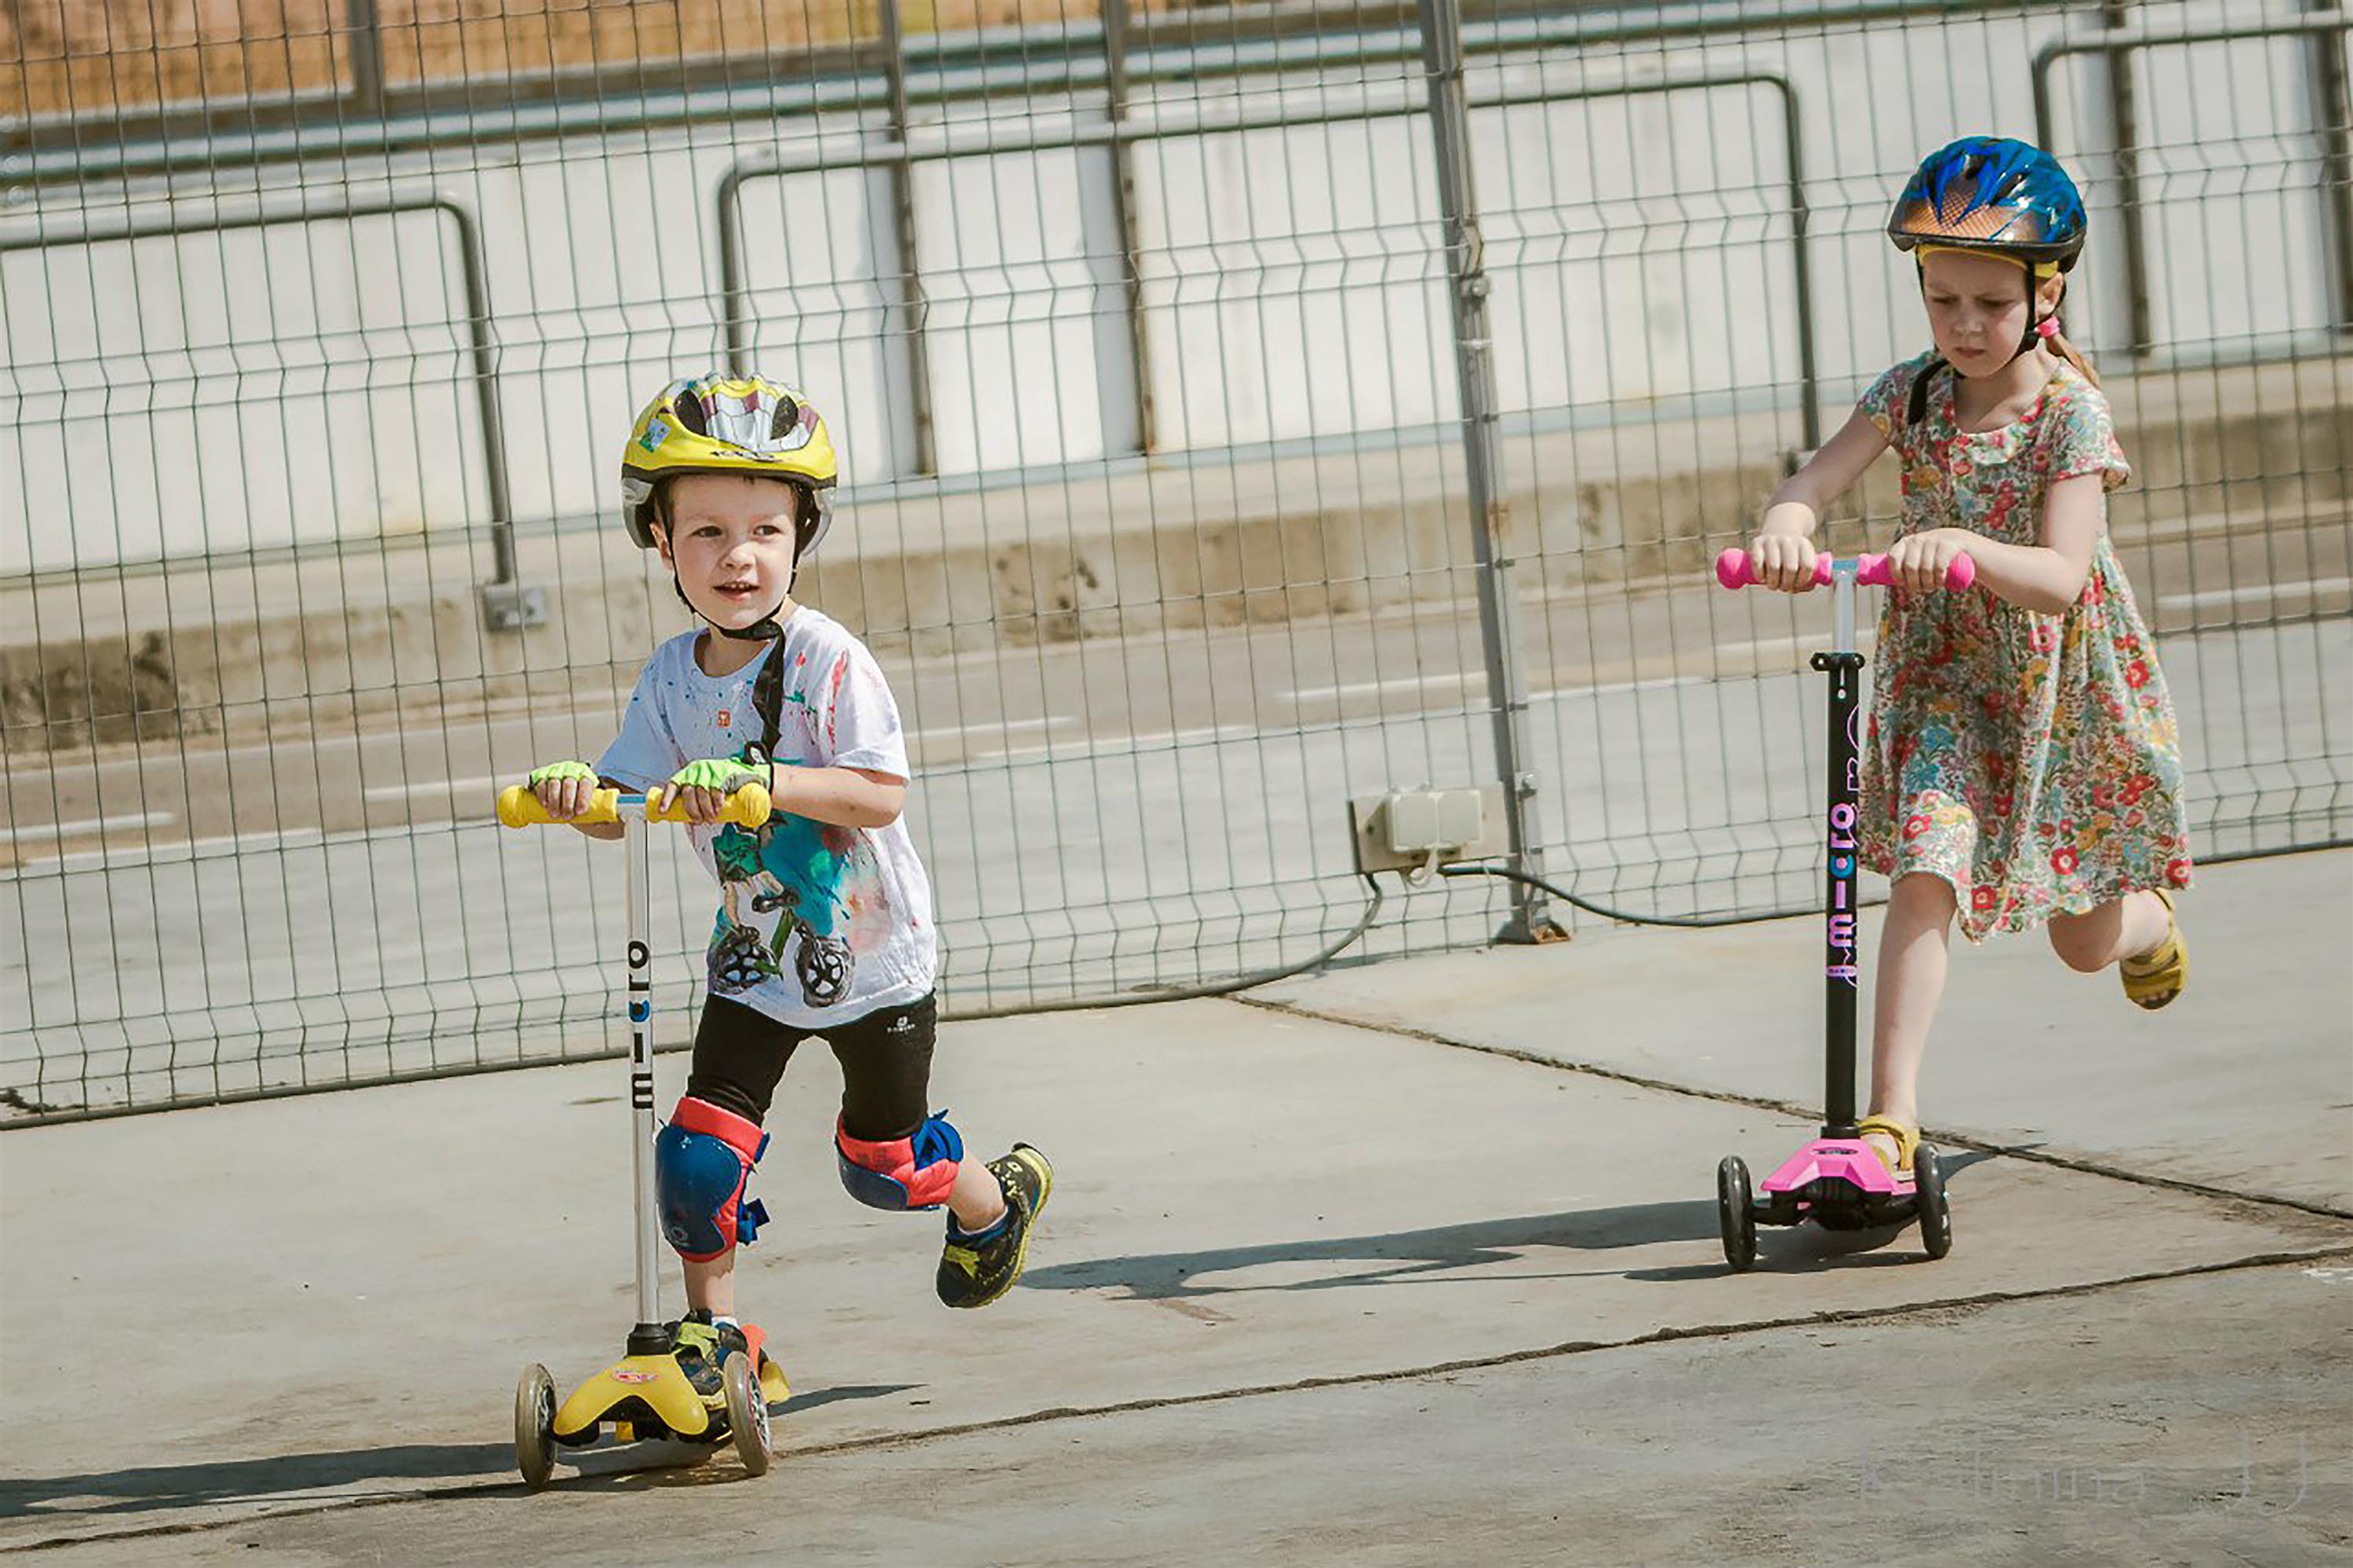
888 1441
1940 1136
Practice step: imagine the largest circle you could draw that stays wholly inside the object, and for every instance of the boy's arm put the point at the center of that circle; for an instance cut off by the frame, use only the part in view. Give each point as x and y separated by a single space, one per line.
847 796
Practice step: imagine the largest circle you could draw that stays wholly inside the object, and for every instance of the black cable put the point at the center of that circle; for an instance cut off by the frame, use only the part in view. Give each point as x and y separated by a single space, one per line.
1565 896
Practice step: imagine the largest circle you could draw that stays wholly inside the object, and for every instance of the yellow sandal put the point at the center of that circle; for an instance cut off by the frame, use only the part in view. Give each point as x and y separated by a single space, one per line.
1906 1135
2157 976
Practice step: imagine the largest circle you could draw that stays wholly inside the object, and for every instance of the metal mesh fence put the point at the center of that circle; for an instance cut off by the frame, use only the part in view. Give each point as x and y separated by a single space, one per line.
1175 351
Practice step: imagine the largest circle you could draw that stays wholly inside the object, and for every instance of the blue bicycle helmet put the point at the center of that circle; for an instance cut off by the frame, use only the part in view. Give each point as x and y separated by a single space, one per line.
1991 194
1996 196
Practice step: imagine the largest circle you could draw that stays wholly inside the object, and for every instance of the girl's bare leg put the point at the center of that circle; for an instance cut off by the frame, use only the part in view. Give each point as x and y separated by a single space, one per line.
1912 958
2124 927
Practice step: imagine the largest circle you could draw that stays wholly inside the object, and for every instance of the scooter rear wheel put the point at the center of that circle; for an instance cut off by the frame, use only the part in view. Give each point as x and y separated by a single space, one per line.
1936 1214
536 1426
1733 1217
748 1415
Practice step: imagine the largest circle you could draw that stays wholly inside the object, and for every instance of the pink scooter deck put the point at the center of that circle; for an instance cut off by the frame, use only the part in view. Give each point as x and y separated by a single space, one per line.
1845 1159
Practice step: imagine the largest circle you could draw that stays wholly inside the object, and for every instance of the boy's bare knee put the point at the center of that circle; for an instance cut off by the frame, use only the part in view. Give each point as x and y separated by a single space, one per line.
2079 945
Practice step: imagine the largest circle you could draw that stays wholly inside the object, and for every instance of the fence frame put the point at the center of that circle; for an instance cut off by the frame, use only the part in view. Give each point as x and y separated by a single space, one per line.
507 605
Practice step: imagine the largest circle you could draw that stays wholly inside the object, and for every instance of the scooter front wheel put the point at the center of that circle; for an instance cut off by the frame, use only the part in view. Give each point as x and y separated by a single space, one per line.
1936 1214
748 1415
536 1426
1733 1216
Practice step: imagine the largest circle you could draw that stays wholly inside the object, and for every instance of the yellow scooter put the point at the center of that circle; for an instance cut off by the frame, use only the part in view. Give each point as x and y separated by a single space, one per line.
645 1394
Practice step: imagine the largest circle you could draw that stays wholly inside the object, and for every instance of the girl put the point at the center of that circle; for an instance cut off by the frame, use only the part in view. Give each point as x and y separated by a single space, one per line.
2022 766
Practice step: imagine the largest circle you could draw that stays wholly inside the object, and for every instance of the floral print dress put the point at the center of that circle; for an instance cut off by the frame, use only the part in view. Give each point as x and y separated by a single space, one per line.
2032 761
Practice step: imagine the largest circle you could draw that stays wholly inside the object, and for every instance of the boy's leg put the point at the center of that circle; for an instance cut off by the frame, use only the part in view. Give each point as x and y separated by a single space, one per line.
894 1155
1912 959
740 1057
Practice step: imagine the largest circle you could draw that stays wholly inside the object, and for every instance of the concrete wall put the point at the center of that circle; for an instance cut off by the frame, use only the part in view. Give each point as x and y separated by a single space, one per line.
307 383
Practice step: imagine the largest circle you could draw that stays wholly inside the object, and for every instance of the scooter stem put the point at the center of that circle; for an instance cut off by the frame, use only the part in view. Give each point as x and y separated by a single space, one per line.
1843 811
640 1003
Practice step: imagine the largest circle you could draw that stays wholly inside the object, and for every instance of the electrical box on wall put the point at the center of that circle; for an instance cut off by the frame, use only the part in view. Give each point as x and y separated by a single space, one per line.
1417 830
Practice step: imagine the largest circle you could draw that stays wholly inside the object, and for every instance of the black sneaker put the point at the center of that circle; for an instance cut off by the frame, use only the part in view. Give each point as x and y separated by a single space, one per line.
977 1270
702 1346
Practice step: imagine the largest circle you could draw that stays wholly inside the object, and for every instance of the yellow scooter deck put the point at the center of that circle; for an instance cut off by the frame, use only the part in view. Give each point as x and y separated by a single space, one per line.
659 1384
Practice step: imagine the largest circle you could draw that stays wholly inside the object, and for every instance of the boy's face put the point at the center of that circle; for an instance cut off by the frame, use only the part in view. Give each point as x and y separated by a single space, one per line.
729 539
1976 308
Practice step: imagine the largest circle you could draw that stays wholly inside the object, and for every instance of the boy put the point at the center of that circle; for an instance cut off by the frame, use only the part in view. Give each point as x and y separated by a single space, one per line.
825 924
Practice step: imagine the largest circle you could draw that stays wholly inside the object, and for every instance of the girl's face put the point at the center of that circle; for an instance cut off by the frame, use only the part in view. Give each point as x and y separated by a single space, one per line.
729 539
1976 308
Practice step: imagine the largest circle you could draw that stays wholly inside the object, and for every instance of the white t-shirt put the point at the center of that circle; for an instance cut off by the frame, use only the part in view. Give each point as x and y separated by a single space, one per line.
818 925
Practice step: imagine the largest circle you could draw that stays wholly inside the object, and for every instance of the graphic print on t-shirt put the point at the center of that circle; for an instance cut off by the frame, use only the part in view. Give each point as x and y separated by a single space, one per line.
825 888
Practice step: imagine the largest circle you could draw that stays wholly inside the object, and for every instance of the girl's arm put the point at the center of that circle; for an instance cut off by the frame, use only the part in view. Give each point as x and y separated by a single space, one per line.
2045 577
1783 549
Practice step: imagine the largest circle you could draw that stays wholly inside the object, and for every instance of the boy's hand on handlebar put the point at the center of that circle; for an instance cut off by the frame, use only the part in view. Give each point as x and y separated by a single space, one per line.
701 787
1784 562
565 789
1918 563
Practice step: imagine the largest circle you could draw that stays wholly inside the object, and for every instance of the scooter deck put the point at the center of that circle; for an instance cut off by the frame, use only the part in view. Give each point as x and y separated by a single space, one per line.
1838 1182
646 1396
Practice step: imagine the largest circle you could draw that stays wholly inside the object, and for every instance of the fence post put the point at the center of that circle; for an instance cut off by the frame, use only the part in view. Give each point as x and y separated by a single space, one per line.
912 307
2332 118
1123 190
1474 362
2124 114
365 43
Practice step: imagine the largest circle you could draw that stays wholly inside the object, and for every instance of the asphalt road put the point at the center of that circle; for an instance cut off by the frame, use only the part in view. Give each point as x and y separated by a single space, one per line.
1095 816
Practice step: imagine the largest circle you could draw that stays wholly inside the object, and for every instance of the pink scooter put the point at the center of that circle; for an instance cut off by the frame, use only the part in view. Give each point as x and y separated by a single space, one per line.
1836 1181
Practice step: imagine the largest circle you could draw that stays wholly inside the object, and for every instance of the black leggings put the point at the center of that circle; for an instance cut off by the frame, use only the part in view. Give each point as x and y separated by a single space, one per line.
740 1055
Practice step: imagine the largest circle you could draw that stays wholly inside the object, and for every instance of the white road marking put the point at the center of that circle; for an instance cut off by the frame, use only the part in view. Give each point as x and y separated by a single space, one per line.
90 825
991 727
436 786
2313 588
1111 745
1396 684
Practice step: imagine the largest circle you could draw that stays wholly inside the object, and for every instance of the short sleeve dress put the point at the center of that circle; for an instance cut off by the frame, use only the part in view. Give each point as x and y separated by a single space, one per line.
2032 761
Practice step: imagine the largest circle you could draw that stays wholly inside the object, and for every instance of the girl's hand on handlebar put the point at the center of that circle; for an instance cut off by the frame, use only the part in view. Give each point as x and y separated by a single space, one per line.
1783 562
563 790
1918 563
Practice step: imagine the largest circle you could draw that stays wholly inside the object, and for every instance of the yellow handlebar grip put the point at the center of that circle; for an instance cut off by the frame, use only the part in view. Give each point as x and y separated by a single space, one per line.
518 807
747 806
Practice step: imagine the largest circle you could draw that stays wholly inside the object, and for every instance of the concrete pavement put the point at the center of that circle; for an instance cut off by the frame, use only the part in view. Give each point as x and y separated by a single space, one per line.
1328 1278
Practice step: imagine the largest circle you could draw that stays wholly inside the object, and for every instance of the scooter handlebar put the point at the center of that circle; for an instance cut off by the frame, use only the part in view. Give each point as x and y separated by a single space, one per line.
747 806
1735 569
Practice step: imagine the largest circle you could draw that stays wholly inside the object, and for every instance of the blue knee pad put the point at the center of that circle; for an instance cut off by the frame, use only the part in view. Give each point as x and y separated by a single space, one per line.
703 1158
902 1172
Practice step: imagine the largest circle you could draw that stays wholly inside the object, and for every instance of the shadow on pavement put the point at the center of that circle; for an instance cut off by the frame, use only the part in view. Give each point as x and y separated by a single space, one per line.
1403 1255
1399 1254
295 1477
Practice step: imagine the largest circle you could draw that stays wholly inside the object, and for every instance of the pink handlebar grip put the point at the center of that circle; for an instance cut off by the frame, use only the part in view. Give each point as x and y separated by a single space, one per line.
1734 569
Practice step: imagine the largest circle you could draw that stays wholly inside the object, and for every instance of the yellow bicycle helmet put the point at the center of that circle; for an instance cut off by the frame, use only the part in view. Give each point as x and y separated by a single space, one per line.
717 424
